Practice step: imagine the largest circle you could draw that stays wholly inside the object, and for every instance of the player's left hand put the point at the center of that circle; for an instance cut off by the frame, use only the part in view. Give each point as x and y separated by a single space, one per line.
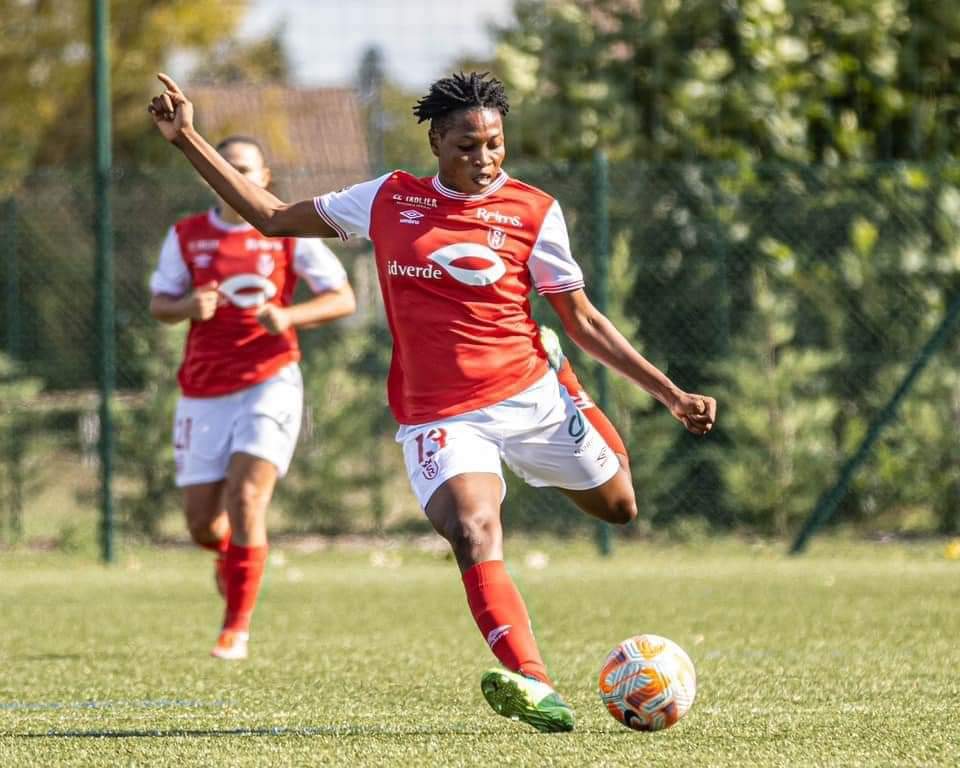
275 319
696 412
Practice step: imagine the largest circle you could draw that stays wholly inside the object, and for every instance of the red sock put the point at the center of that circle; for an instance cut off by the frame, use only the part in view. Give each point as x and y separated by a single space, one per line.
244 568
502 617
590 409
220 547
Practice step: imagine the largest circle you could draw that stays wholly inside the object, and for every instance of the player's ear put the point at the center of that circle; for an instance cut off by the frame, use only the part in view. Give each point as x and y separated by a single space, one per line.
267 178
434 142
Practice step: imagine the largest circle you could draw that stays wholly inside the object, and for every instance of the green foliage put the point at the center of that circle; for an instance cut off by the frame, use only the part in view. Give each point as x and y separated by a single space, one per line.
804 80
778 412
19 456
254 62
913 481
45 59
144 457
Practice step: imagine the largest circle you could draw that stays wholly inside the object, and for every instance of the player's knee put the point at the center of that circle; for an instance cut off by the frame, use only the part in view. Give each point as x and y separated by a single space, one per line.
202 532
620 506
473 532
624 510
245 497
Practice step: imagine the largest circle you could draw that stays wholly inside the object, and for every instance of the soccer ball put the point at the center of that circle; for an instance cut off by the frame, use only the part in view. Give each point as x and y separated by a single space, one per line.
648 682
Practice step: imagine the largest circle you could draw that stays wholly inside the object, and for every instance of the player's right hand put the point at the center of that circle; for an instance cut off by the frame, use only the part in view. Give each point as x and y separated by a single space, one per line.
172 111
696 412
202 302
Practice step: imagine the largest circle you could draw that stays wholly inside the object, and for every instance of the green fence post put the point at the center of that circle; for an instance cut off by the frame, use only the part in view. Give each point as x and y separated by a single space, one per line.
12 278
601 273
830 501
103 226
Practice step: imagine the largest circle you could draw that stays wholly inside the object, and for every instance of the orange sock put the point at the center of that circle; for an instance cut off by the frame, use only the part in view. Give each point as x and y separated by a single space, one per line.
502 617
590 409
244 571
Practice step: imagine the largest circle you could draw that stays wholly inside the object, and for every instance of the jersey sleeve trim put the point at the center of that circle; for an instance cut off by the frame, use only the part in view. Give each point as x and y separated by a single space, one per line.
560 287
318 204
551 264
350 210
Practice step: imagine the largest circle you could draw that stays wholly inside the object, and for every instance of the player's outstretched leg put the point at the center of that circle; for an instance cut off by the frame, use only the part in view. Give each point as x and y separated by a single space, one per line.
614 501
569 380
465 510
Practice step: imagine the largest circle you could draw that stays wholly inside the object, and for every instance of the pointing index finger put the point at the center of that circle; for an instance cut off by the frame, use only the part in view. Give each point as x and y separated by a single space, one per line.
169 83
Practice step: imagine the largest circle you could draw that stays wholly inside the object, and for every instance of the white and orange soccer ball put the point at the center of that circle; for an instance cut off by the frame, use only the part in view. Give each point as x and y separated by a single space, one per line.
648 682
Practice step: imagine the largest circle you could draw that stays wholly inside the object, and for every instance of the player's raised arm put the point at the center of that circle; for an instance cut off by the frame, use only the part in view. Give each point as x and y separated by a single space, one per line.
597 336
172 113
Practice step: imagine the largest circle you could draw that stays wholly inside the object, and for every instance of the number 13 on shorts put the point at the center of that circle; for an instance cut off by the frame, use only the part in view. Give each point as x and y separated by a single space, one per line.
429 442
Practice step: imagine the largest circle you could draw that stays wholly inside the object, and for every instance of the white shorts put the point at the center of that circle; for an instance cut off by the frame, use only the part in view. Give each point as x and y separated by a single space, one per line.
540 434
262 420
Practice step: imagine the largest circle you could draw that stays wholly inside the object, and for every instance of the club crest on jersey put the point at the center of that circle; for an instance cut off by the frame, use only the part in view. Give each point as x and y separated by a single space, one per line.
245 291
470 263
411 217
496 238
265 264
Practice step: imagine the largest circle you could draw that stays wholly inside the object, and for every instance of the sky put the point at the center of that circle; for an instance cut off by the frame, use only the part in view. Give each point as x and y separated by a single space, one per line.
420 39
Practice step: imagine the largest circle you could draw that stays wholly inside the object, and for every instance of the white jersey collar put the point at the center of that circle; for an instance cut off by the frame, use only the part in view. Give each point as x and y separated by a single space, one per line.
498 182
215 219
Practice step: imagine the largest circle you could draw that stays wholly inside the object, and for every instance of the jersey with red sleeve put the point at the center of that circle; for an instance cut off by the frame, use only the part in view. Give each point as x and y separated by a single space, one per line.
456 272
232 351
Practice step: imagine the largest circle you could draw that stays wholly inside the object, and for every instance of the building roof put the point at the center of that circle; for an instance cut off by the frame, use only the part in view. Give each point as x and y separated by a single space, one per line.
315 139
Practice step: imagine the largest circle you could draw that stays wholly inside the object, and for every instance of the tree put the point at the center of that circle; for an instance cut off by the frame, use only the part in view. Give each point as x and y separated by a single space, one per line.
18 459
45 60
802 80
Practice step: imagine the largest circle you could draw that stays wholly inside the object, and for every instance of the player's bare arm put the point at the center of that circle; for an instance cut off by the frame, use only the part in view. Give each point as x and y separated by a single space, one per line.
321 309
199 305
172 113
595 334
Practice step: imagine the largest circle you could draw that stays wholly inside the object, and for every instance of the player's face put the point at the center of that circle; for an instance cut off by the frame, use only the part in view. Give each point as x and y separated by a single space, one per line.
247 159
471 151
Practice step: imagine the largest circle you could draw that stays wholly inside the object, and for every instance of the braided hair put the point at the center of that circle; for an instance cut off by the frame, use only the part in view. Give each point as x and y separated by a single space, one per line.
451 94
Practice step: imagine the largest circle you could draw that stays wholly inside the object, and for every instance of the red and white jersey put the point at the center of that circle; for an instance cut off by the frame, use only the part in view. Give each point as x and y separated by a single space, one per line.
456 272
231 350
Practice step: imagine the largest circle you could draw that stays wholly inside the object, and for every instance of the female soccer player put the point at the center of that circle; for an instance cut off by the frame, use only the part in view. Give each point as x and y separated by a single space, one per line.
470 384
238 418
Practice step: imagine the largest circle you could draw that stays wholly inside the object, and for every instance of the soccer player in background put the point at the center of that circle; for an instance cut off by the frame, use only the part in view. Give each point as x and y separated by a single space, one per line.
238 417
470 383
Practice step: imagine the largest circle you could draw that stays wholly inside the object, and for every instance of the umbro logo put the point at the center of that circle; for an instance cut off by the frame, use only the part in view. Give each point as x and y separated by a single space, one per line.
496 635
411 216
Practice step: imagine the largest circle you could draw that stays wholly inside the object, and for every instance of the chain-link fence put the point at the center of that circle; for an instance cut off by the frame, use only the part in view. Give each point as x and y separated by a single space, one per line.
798 296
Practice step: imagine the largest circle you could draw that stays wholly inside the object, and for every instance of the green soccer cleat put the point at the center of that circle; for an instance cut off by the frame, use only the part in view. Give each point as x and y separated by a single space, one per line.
527 700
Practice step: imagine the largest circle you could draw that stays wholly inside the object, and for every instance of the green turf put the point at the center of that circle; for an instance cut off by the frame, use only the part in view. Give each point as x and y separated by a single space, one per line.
846 657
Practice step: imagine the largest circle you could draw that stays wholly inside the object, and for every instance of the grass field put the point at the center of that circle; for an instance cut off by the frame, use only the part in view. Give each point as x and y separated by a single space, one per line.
849 656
